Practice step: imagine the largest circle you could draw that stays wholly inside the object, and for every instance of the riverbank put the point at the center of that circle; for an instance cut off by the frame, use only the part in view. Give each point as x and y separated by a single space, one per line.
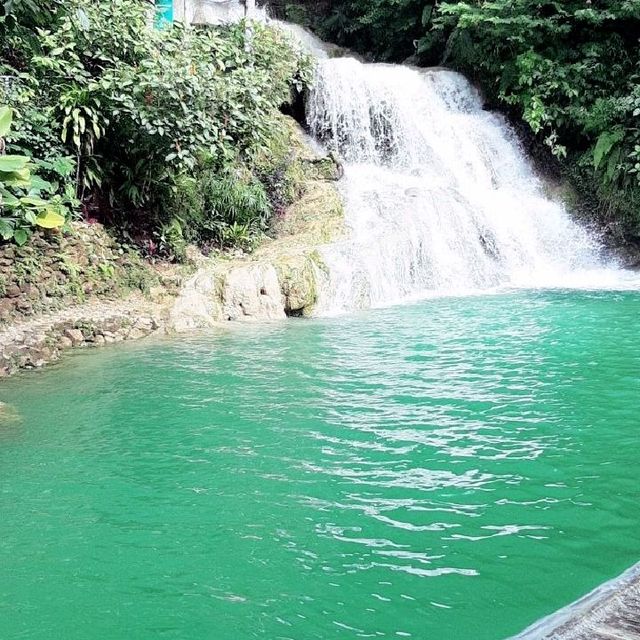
35 343
83 289
76 289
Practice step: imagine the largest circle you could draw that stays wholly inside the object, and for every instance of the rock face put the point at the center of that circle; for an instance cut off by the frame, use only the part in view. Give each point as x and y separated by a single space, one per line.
199 304
76 290
270 287
281 279
55 271
299 276
284 275
252 293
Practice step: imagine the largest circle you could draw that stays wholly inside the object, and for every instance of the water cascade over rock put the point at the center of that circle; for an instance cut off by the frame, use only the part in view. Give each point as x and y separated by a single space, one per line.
439 196
435 196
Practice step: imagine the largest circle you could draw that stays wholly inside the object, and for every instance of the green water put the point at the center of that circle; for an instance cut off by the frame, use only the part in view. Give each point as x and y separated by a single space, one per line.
452 470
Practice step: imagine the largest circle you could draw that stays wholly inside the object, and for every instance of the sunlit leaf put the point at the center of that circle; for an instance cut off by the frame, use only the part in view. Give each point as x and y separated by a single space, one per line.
6 116
50 219
13 163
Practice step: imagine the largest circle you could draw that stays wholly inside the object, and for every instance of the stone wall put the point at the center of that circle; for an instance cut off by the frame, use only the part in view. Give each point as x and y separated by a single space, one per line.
33 344
55 271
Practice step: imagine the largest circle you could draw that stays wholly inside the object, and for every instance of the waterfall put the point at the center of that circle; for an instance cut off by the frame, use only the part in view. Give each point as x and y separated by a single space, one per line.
439 195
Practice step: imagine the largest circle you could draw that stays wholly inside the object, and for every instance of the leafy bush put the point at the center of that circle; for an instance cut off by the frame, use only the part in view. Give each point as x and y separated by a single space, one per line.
218 209
140 108
380 29
27 201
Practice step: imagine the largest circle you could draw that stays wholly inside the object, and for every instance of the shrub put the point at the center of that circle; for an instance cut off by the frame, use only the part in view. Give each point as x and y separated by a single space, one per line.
27 201
138 108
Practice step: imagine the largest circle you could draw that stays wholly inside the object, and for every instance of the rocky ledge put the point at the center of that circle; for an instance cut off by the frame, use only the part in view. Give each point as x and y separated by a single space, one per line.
32 344
83 291
284 276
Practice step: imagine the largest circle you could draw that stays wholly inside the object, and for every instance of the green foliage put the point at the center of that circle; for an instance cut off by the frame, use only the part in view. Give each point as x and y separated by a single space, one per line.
382 29
217 209
27 201
141 109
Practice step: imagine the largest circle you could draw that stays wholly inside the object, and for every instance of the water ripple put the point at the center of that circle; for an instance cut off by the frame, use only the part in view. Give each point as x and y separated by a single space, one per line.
454 469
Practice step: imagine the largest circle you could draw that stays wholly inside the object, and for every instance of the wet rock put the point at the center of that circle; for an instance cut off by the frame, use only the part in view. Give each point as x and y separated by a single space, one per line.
328 168
136 333
75 335
298 279
65 342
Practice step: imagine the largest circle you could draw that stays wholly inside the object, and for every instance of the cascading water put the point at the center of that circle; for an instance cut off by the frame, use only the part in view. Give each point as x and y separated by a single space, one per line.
439 195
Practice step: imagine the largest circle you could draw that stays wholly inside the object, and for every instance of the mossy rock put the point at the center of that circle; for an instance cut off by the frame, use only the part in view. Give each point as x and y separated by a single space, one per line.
315 218
298 282
326 168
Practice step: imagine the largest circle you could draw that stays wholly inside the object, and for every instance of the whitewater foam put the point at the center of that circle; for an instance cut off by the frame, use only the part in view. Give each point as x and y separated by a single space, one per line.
439 195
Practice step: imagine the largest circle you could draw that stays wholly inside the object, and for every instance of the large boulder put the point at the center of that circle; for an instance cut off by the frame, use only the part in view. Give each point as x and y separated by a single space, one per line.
199 304
252 292
299 275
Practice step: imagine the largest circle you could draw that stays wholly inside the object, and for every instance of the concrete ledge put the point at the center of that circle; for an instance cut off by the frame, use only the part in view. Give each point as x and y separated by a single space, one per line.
610 612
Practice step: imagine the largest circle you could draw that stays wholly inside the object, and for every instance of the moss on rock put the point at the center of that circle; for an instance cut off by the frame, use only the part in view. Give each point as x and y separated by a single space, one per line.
56 271
284 273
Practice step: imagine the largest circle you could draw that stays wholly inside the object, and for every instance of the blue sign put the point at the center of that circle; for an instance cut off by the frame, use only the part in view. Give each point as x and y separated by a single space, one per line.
164 13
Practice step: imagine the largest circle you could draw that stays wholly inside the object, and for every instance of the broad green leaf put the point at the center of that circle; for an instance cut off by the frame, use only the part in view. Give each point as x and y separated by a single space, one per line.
7 199
6 115
50 219
33 201
427 13
20 178
605 143
6 228
13 163
38 185
20 236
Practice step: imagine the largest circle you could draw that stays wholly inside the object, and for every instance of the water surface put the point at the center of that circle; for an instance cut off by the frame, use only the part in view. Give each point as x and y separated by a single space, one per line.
450 470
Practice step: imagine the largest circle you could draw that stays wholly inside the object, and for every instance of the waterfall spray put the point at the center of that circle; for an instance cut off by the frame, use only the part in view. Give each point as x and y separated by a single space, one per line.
439 195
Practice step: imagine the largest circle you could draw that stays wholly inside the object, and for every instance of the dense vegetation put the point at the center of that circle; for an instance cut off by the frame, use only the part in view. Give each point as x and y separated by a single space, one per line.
170 135
570 70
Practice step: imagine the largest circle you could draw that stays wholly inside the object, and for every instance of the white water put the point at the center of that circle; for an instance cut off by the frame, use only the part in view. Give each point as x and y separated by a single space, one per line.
439 196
